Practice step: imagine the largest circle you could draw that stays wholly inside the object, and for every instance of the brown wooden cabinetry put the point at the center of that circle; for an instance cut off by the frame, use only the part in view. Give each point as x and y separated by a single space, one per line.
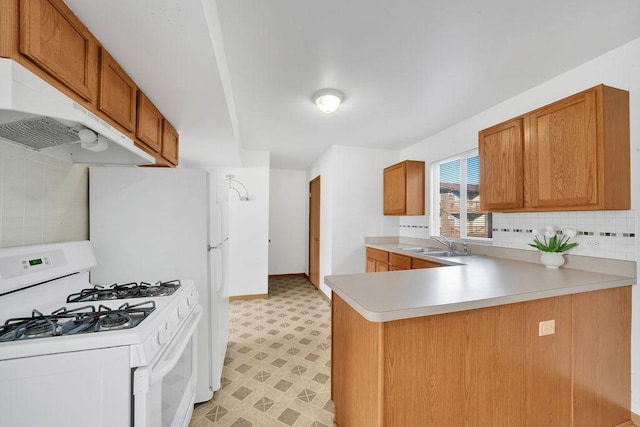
149 123
48 39
502 187
404 188
52 37
423 263
399 262
117 92
569 155
488 366
169 143
377 260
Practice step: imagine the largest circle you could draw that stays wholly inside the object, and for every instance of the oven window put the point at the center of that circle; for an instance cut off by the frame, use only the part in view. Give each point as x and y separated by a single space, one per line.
174 385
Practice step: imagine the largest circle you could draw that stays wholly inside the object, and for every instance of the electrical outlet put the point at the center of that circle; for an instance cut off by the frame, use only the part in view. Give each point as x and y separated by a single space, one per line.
548 327
592 243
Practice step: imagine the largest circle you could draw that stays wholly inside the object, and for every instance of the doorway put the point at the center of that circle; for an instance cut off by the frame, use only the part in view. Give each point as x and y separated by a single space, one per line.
314 231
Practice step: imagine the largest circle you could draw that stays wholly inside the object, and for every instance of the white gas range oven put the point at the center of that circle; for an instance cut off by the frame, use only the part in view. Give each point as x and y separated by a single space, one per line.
74 354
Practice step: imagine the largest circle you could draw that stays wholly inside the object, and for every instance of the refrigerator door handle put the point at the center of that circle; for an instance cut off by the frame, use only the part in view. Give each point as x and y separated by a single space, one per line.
218 246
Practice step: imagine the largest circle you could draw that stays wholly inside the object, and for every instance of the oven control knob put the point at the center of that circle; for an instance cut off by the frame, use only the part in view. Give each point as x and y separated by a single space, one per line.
163 336
183 310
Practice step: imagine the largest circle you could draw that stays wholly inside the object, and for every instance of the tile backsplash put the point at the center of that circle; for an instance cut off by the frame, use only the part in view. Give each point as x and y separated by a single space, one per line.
42 200
602 234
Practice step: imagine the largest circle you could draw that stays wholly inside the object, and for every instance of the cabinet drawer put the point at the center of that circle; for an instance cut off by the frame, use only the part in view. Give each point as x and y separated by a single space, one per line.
378 255
423 263
401 261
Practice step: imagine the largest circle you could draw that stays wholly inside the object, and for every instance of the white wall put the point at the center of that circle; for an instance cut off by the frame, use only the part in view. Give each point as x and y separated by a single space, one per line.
350 206
288 221
249 227
618 68
42 200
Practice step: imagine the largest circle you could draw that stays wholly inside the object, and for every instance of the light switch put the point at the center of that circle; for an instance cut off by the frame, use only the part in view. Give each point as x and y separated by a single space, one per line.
547 327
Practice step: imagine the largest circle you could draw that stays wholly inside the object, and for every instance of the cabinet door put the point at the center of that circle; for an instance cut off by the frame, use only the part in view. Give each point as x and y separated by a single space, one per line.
117 92
371 265
53 38
501 151
561 153
404 188
395 189
149 123
169 142
381 266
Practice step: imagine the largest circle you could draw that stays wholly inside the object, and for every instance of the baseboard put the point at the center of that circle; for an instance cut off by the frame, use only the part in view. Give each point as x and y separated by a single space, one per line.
292 275
635 421
245 297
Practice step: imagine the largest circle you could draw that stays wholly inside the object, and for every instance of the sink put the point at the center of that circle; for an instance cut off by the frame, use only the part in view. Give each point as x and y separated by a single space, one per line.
447 254
435 252
424 250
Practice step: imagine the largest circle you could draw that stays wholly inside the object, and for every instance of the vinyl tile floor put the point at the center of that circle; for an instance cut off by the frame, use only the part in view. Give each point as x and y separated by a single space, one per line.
278 365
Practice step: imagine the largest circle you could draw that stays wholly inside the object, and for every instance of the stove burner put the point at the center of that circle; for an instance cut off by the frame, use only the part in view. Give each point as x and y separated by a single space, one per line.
113 321
76 321
126 290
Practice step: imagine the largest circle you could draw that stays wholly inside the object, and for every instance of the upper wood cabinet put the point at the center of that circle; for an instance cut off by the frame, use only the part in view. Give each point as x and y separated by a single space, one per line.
48 39
404 188
169 142
149 123
502 187
52 37
574 155
117 92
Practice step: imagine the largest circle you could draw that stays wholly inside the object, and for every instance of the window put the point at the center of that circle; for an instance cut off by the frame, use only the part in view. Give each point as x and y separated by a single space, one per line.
456 198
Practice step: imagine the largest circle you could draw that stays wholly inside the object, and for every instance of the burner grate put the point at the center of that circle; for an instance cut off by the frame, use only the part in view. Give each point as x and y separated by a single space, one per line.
75 321
125 291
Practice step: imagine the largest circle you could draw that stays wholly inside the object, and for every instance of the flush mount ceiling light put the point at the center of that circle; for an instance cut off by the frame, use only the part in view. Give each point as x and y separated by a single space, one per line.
328 100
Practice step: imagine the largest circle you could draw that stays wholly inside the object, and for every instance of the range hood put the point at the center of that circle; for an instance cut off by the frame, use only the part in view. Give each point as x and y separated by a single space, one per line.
38 116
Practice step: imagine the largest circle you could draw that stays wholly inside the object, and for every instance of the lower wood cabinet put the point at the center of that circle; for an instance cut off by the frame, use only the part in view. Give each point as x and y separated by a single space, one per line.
399 262
488 366
379 260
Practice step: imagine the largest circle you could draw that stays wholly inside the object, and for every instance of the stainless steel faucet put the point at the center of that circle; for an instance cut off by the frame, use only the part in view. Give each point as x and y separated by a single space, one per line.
445 241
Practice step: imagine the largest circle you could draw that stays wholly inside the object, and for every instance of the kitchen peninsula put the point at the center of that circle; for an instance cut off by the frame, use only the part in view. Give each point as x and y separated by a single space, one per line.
481 341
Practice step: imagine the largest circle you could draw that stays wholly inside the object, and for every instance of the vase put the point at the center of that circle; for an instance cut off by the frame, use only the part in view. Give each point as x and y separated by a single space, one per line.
552 259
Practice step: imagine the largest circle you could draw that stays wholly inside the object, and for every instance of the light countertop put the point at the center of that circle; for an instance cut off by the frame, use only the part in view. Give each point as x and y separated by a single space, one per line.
465 283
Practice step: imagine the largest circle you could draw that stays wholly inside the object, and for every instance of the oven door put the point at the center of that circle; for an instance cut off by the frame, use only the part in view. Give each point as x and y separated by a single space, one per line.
164 391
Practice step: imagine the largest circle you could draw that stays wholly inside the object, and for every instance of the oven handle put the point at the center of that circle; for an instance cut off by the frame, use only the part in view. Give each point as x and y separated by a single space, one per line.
144 377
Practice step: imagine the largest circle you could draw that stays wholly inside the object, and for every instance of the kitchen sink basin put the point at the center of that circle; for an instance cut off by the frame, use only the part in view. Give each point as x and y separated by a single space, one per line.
435 252
423 250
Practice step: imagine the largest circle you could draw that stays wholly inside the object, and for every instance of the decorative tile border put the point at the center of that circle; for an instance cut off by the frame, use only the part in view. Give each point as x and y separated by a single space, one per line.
579 233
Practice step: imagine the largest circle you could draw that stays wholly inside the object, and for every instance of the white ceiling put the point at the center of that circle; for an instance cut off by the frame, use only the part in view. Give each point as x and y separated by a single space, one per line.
233 74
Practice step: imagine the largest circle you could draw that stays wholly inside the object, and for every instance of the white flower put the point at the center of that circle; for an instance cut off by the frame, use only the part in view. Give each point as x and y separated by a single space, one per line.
550 231
569 232
535 232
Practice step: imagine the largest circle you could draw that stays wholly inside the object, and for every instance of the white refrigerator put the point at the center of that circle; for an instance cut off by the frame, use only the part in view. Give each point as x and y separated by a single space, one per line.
149 224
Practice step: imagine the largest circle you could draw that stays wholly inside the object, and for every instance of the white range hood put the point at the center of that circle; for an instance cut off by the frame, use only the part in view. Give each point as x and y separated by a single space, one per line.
38 116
